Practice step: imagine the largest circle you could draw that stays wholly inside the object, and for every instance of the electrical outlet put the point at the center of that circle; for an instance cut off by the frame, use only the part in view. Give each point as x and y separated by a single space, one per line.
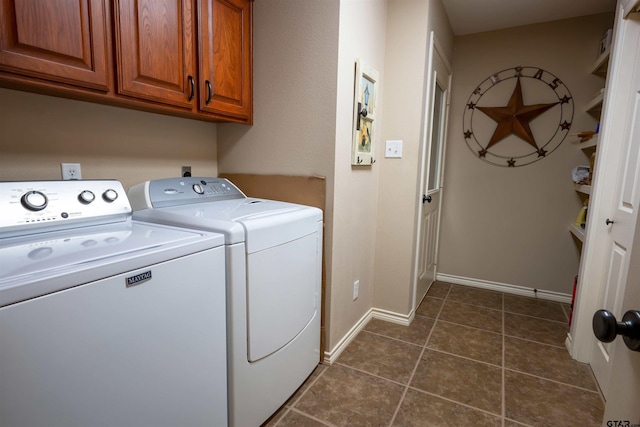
356 289
186 171
71 171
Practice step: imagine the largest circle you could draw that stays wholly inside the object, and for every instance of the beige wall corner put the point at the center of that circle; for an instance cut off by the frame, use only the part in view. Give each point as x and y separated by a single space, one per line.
409 24
511 225
294 98
355 190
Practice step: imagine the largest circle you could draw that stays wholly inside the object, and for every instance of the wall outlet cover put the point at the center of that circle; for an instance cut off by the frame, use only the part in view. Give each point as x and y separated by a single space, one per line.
70 171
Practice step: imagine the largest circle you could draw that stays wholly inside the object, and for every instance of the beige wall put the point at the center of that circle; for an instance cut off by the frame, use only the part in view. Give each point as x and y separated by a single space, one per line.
39 132
295 86
303 97
355 190
510 225
409 24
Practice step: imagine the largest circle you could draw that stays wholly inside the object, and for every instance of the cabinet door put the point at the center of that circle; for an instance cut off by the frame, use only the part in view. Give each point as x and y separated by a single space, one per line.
225 43
155 50
66 41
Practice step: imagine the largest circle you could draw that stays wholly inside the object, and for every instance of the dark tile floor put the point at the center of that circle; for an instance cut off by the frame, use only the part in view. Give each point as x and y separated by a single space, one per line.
471 357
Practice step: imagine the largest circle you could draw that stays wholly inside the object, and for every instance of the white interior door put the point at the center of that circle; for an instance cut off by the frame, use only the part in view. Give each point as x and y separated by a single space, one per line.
624 382
621 288
430 197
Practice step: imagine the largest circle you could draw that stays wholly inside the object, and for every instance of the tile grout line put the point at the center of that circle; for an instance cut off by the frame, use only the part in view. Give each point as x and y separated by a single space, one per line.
562 322
290 407
415 368
320 420
471 327
394 338
362 371
455 402
470 359
534 341
552 380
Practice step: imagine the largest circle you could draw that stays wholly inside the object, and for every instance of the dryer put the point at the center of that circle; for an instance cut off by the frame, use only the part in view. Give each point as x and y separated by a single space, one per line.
107 321
274 259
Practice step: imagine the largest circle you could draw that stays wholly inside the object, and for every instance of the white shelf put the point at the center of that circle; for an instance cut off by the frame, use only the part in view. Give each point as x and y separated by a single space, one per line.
584 189
600 66
578 232
592 143
595 106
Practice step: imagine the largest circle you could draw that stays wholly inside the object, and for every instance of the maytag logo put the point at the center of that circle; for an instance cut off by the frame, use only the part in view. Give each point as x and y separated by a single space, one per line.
138 278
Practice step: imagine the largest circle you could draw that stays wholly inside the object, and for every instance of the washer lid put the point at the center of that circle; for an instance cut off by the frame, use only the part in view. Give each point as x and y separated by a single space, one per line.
35 265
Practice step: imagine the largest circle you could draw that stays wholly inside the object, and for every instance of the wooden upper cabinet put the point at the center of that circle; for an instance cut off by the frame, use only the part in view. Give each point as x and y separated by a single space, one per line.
155 50
225 58
191 58
65 41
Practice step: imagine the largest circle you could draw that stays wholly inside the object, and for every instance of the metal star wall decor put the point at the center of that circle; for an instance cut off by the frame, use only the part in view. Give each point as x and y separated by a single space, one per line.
516 118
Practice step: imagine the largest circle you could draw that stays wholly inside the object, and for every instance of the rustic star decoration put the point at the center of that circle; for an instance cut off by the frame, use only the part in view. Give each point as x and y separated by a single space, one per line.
514 118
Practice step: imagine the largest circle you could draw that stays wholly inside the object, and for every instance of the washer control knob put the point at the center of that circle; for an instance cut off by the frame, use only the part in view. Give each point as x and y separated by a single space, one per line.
86 197
110 195
34 201
198 188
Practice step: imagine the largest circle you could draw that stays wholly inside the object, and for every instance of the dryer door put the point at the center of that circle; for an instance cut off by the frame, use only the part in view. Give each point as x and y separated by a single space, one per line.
282 294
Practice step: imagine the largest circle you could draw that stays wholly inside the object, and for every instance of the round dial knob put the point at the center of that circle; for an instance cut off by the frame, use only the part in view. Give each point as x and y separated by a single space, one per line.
198 188
110 195
86 197
34 201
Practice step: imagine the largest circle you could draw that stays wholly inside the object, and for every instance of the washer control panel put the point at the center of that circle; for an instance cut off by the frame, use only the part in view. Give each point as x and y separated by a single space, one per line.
30 206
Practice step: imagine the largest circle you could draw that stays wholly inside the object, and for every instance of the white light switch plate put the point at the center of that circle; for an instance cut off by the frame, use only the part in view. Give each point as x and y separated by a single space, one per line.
393 149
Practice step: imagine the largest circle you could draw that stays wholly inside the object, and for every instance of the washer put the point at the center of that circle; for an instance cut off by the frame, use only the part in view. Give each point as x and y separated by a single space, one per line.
274 272
106 321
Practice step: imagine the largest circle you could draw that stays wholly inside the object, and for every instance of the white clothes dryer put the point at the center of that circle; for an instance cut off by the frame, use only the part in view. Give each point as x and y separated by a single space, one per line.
274 273
107 321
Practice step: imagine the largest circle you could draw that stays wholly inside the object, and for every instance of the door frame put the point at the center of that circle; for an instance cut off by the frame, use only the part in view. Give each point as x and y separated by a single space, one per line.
427 128
580 339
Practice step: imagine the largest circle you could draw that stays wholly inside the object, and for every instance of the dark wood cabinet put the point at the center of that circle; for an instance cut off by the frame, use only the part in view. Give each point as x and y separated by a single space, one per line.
225 57
155 50
64 41
191 58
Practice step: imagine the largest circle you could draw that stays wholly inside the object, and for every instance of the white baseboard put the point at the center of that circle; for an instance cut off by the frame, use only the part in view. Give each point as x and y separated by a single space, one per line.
390 316
505 287
569 344
373 313
332 355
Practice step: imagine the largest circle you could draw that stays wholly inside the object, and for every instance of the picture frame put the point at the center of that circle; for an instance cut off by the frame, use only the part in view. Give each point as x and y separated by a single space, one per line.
364 114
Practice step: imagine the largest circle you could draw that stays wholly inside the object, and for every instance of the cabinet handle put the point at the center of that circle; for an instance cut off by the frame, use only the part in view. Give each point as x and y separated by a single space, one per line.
209 92
192 83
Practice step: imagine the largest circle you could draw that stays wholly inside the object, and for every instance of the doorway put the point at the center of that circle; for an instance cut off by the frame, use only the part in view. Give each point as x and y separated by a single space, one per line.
432 167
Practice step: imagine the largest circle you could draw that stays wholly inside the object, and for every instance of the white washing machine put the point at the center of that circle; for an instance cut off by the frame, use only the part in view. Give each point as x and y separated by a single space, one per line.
274 263
106 321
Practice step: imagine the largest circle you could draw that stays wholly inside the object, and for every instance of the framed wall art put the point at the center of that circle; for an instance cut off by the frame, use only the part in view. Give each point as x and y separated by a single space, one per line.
364 114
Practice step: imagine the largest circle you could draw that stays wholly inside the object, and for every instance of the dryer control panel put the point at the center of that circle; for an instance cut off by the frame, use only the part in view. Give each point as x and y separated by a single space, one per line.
34 206
182 191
